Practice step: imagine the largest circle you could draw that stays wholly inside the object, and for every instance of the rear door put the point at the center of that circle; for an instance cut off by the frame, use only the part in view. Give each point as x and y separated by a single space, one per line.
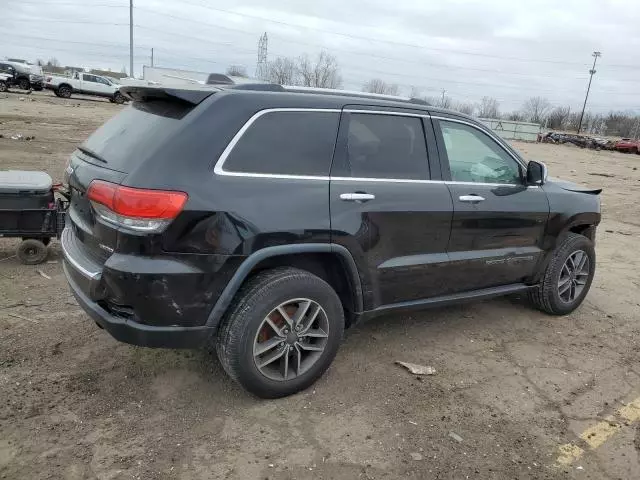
498 221
92 85
388 205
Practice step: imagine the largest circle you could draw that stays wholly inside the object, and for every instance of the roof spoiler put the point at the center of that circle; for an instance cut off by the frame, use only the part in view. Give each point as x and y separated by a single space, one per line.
144 94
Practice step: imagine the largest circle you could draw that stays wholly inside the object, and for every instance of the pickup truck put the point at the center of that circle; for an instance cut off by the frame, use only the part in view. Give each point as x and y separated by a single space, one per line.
85 84
23 75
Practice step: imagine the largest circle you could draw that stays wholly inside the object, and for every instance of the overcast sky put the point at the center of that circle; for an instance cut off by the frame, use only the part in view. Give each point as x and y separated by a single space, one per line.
510 50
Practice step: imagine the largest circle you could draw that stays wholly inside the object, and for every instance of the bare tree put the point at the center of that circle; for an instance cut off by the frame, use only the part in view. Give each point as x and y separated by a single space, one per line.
466 108
40 62
282 71
488 108
535 109
377 85
558 118
514 116
323 73
237 71
445 102
53 62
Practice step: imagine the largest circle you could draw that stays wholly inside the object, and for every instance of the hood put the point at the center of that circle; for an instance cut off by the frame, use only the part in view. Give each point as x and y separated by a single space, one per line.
573 187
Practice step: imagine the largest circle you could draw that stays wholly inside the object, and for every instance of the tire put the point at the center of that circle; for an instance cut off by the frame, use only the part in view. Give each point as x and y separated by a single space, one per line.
245 323
32 252
3 87
546 296
24 84
633 150
64 91
118 98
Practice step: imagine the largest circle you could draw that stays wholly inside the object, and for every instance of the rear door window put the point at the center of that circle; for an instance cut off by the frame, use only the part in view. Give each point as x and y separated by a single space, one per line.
286 143
382 146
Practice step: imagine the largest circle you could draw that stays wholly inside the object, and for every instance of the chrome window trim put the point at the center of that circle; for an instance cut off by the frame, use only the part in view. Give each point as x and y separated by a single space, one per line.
487 132
218 169
219 166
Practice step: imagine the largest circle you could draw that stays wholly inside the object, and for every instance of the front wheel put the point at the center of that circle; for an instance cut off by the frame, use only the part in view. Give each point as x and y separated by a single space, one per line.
24 84
567 278
119 98
282 332
3 87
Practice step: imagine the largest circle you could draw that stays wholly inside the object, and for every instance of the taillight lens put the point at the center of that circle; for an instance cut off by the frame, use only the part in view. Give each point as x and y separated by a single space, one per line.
135 208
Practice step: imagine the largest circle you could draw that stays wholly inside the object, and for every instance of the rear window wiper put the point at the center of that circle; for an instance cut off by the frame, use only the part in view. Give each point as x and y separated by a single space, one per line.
92 154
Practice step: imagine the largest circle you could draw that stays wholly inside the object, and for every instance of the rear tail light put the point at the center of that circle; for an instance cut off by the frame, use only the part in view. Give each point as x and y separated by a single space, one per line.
138 209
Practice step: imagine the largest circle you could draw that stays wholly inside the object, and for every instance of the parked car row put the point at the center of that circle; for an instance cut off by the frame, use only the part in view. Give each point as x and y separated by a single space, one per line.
626 145
20 75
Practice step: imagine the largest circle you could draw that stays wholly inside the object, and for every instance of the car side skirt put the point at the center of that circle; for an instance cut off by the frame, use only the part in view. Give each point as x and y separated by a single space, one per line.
445 300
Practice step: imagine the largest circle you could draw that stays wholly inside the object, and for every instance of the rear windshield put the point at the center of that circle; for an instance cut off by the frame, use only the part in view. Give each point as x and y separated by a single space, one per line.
126 139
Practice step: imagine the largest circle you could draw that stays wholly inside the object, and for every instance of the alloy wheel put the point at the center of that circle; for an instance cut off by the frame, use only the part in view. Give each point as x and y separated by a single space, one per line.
573 276
291 339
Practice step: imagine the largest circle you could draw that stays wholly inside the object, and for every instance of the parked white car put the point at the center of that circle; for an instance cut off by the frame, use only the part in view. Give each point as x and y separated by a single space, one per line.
85 84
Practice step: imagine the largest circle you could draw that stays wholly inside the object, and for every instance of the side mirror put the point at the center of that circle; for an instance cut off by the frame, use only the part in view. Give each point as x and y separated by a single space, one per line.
536 173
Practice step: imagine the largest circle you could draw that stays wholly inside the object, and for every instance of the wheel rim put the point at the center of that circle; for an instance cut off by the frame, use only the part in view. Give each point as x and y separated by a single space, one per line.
291 339
574 276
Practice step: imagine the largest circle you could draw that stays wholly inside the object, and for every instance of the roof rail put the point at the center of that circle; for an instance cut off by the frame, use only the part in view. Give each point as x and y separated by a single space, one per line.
353 93
261 87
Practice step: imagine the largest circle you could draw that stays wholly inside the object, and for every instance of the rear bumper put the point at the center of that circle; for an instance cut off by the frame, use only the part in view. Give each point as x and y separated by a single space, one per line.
135 333
85 278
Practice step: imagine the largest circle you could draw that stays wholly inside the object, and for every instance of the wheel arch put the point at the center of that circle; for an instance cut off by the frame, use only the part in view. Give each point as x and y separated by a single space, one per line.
65 84
333 263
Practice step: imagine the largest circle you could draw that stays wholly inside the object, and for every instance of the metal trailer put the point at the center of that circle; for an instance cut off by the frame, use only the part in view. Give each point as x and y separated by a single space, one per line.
31 208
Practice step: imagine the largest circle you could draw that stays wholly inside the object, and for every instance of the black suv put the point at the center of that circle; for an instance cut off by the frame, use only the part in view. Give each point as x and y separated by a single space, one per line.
264 220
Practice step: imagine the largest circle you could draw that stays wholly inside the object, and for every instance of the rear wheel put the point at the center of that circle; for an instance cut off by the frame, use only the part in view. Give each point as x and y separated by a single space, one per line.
282 332
32 252
3 87
568 277
64 91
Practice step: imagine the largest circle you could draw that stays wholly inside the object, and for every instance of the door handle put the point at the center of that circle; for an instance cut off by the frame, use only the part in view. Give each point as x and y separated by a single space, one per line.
471 198
357 197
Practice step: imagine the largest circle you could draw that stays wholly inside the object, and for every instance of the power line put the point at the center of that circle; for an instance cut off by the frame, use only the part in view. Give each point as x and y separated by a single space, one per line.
347 35
415 78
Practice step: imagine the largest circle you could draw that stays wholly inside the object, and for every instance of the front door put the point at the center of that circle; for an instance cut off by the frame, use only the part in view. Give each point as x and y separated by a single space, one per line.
498 221
385 207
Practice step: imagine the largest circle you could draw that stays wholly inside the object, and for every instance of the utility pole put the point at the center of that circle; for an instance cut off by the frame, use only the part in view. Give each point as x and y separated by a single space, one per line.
595 56
261 66
131 38
152 56
442 101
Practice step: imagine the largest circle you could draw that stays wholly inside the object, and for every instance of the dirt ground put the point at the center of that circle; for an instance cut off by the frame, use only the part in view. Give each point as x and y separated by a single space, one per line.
517 394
